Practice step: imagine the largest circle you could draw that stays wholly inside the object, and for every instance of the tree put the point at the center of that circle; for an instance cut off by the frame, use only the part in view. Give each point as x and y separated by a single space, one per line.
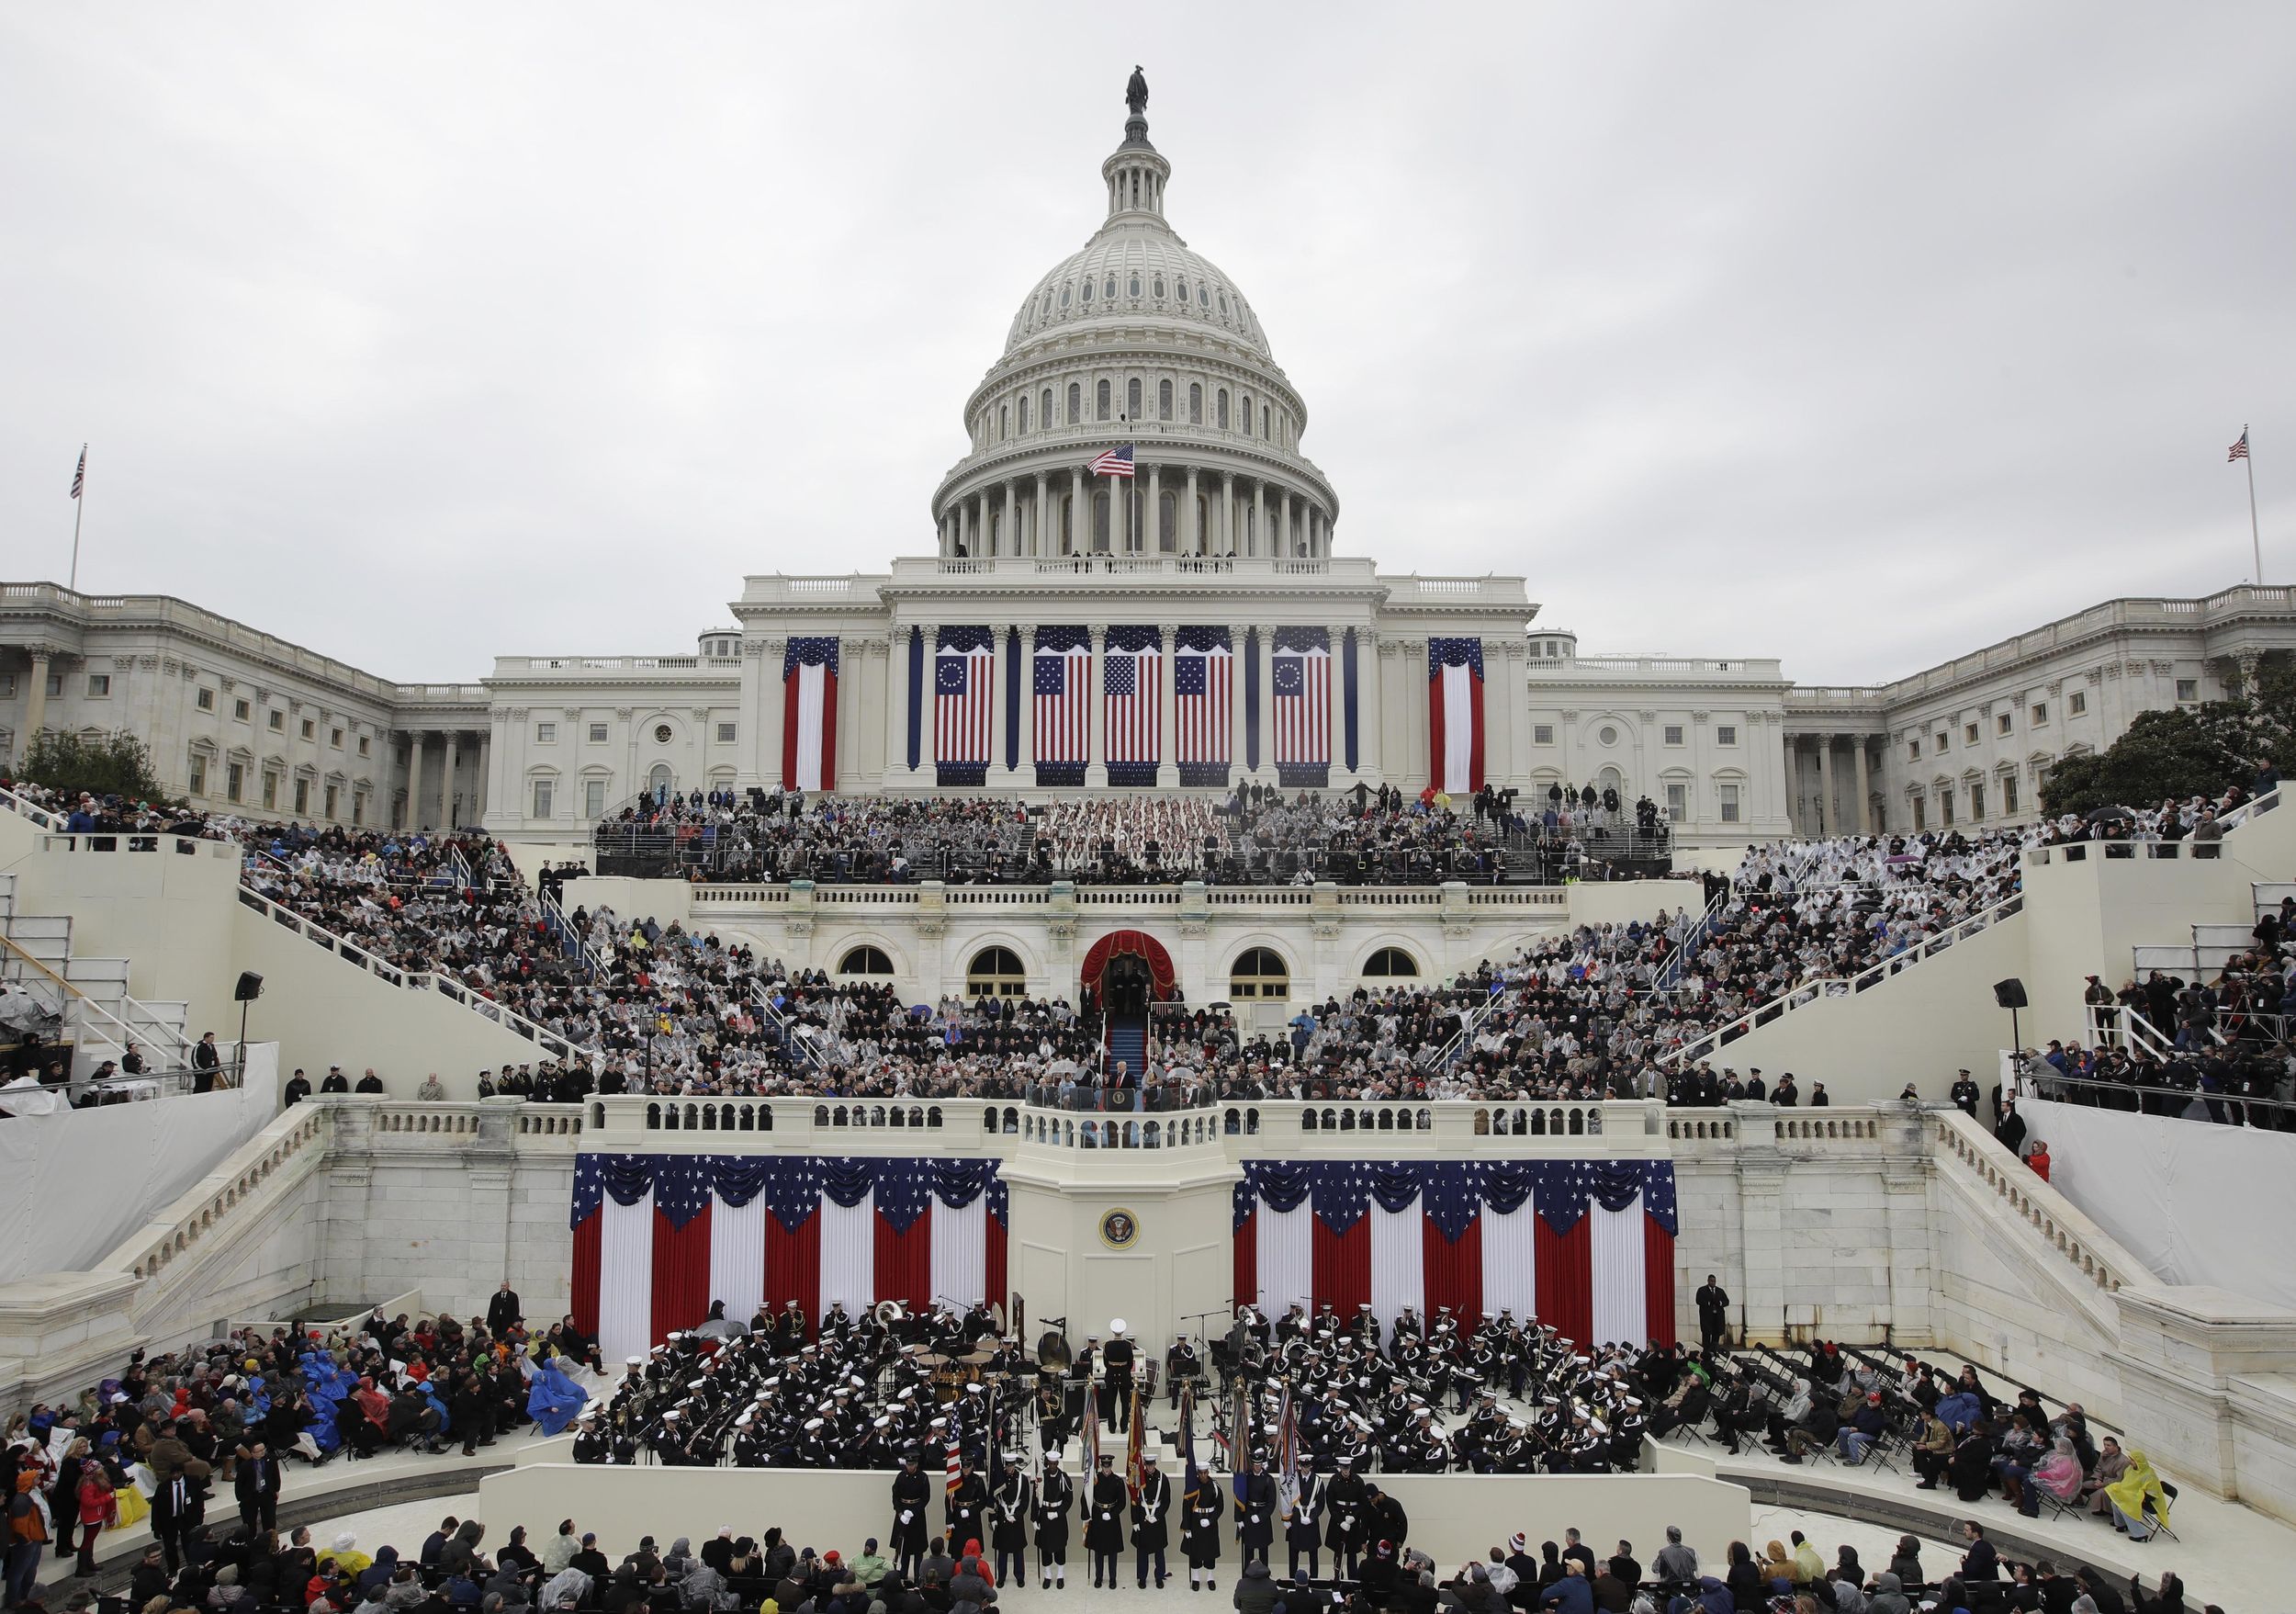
2188 750
111 764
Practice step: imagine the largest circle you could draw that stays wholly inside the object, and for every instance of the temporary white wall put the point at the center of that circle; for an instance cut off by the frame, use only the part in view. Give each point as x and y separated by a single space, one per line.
1454 1518
167 912
2188 1198
74 1183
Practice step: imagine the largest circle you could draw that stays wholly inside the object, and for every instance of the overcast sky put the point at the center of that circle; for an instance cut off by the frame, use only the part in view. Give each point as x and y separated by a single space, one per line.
1856 336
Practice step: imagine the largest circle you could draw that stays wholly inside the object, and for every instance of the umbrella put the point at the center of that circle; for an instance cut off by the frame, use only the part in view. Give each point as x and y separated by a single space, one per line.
2111 815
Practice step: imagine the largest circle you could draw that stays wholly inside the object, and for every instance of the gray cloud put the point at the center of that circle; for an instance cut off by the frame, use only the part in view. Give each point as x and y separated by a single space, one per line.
1859 336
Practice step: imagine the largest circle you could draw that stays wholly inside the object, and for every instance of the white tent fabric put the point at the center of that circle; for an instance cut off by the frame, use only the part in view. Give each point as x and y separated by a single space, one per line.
1511 1263
1287 1257
2183 1196
1614 1247
1458 728
1399 1263
849 1254
961 1253
810 680
625 1308
737 1257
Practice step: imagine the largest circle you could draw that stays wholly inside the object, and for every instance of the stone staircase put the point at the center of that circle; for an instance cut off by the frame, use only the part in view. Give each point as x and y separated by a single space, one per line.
89 996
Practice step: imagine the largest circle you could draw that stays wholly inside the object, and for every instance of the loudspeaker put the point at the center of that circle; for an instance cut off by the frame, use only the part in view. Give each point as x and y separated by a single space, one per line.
2011 993
250 988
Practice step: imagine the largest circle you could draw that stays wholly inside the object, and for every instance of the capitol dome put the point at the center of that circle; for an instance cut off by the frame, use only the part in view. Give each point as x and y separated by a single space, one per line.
1135 338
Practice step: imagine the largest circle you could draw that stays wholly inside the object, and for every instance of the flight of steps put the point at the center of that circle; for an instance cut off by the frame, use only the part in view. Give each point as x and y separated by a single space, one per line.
105 1016
1128 1041
2212 946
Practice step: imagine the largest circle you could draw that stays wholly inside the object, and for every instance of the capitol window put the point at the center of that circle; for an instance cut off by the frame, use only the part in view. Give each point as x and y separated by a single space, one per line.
1044 410
1673 734
545 794
1224 305
545 734
1024 415
1195 403
205 700
1135 285
1101 399
2188 689
1390 961
865 961
2075 704
1075 403
2008 793
1223 409
1243 410
1108 289
1087 289
2040 712
1164 401
1726 796
1004 423
1677 803
1969 734
1726 734
1158 285
1542 734
1259 971
1064 297
1131 398
2001 724
1607 735
1203 296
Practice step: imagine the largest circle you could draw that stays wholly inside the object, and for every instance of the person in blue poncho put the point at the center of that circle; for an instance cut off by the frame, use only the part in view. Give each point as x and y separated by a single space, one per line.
553 1400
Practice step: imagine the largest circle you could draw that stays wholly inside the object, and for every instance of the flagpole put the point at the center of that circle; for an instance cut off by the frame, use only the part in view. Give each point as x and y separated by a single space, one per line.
2256 536
81 510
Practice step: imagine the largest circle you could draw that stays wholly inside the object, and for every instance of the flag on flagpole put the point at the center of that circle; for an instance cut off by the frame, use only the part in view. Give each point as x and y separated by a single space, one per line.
1134 1477
79 477
2239 451
955 1472
1116 462
1286 1460
1092 1433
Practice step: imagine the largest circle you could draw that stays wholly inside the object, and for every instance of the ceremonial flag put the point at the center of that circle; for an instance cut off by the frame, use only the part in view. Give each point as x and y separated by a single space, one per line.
1132 1475
1585 1245
1116 462
809 714
2239 451
964 686
1203 680
79 477
1132 675
656 1237
952 1457
1062 686
1455 715
1301 673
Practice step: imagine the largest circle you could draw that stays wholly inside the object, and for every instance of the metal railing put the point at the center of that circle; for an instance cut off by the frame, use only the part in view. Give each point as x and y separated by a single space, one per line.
1845 985
804 1046
553 1042
1686 949
75 1012
39 816
569 939
2219 1109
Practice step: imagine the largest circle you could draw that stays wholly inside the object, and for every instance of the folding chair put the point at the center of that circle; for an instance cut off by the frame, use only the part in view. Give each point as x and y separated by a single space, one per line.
2154 1517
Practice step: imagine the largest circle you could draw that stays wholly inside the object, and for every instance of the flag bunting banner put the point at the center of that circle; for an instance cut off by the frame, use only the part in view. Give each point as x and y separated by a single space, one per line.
917 697
1062 682
1251 699
1203 685
657 1237
809 714
1013 685
1455 715
1300 670
1586 1246
1132 679
964 693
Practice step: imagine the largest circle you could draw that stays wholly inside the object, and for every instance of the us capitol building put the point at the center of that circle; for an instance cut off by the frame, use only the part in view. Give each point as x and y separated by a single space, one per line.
1200 617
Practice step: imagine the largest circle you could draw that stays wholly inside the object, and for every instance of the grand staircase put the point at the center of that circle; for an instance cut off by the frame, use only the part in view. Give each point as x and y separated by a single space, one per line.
1128 1042
88 997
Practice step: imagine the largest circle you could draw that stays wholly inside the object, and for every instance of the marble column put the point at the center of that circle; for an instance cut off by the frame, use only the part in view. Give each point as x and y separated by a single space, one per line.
1191 529
415 780
1865 785
1226 512
1096 753
1079 535
1167 752
1043 512
980 525
1012 521
1829 815
1260 518
447 820
1152 514
1283 524
36 704
478 786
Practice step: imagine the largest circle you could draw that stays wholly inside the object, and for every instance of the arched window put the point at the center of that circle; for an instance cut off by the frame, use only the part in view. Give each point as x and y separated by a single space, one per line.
1135 285
1222 417
1195 403
996 972
1244 410
1164 401
1131 398
1259 973
1102 398
1203 295
1180 289
1044 410
1224 305
1087 289
1004 421
1159 287
1076 402
1263 420
1064 297
1024 414
1044 308
1390 961
864 961
1109 289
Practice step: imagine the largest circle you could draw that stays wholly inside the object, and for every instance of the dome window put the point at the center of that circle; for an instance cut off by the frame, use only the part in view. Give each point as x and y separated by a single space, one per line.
1044 411
1203 296
1224 305
1024 414
1131 398
1100 399
1195 403
1044 308
1222 416
1135 285
1087 291
1075 403
1109 289
1158 285
1004 421
1243 413
1064 297
1164 401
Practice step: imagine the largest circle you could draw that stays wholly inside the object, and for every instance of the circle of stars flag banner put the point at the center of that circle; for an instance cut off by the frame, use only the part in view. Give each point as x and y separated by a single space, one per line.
657 1237
1586 1246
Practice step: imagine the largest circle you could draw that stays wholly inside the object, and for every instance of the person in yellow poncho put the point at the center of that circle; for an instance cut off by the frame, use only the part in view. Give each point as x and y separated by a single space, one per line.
2127 1497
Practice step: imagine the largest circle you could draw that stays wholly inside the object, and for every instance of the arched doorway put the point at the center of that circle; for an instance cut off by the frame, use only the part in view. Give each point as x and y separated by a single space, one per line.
1127 987
1138 946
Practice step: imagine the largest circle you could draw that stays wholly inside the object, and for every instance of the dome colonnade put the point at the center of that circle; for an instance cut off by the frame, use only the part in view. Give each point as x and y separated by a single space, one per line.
1135 338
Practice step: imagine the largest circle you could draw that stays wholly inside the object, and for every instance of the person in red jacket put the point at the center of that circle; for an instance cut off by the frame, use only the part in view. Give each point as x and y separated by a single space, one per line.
2039 1160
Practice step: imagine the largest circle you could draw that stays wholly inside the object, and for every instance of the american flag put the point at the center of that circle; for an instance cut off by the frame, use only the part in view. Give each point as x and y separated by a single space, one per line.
1131 671
1116 462
964 698
2239 451
79 477
1061 685
1202 714
1302 670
